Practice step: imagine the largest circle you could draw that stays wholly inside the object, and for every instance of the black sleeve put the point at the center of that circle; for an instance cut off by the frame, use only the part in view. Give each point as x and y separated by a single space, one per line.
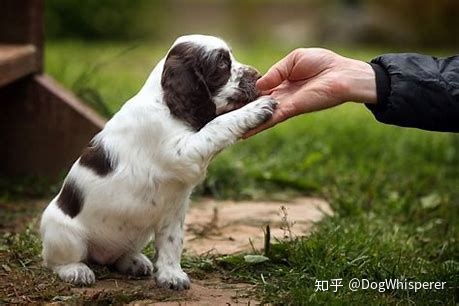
418 91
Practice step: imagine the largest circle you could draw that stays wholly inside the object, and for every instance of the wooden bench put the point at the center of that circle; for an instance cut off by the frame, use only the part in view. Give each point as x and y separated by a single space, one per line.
43 127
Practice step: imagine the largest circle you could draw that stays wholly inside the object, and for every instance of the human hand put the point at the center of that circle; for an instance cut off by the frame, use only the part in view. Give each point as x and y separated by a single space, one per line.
308 80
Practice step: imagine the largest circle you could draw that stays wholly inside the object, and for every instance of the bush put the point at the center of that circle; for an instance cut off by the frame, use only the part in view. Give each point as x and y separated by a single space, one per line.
426 23
101 19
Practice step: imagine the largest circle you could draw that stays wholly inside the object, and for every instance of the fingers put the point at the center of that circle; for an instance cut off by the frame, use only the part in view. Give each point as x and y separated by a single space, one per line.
277 73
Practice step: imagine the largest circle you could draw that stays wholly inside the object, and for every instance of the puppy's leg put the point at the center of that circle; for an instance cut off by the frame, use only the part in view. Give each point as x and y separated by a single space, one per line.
228 128
64 249
169 244
134 264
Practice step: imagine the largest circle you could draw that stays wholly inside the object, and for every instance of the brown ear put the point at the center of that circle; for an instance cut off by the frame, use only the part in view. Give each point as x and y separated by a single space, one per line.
185 90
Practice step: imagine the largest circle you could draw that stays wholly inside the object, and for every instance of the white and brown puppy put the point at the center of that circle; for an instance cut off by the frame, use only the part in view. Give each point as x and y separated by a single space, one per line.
134 180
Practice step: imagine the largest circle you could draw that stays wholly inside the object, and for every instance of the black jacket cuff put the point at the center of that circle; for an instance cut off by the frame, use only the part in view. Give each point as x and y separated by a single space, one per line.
382 88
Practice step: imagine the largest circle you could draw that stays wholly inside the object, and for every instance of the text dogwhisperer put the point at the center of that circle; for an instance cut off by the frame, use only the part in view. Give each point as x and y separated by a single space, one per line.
356 284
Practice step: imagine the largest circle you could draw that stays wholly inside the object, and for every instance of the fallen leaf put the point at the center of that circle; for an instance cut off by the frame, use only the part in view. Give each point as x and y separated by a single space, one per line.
255 258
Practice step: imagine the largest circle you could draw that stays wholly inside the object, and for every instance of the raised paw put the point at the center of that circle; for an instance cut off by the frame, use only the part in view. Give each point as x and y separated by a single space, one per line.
135 265
76 273
262 109
172 278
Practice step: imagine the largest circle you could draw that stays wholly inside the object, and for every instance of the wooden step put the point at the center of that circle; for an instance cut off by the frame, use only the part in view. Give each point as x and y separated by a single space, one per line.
43 128
16 61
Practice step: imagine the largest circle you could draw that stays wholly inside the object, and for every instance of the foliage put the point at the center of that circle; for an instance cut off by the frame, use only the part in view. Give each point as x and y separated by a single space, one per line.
364 247
104 19
390 22
13 188
434 23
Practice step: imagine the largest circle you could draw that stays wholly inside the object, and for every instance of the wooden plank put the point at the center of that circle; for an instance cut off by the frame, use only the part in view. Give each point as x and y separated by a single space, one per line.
57 92
21 23
43 128
16 61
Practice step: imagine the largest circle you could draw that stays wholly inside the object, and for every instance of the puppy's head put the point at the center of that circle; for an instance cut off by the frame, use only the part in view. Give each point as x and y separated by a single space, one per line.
201 80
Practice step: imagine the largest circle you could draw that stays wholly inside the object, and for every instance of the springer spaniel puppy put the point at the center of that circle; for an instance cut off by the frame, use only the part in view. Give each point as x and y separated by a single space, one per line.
134 180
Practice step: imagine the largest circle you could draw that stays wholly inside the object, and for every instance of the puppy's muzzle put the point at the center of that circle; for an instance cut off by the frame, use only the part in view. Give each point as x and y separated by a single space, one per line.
248 92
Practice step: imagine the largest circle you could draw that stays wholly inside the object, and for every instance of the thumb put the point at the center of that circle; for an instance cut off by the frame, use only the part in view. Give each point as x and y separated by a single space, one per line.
278 73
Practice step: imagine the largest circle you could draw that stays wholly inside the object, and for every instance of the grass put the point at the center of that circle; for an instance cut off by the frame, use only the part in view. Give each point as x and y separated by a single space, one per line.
394 191
24 281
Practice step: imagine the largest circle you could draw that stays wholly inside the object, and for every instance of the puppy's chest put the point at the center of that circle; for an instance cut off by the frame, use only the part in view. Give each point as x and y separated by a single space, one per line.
140 209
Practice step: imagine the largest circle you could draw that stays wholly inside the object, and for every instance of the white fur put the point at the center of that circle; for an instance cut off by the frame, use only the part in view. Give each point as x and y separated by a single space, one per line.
159 160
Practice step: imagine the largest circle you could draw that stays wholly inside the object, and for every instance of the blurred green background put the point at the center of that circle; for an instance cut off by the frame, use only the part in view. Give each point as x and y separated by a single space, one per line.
89 42
403 23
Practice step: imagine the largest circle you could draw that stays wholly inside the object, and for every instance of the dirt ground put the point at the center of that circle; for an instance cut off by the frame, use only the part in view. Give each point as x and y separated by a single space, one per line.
228 227
202 292
212 228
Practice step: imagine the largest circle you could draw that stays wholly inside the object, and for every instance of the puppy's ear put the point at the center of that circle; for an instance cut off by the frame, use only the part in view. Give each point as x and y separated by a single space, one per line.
184 88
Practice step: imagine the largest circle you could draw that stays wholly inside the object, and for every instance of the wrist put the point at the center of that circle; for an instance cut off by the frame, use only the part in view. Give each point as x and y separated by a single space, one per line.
361 82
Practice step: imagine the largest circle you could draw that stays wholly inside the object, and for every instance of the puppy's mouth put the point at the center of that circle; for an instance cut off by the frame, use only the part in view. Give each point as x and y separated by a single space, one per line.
245 93
239 100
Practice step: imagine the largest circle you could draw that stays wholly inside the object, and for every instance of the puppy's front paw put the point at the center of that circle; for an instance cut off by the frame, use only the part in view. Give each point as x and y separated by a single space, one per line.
262 109
135 264
172 278
76 273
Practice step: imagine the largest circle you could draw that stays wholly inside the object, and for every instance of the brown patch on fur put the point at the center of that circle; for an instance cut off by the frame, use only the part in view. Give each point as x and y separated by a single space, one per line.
70 200
191 76
95 158
247 84
247 89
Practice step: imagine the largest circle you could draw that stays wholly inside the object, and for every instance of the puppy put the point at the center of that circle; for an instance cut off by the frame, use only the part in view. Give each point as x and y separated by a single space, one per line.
135 178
